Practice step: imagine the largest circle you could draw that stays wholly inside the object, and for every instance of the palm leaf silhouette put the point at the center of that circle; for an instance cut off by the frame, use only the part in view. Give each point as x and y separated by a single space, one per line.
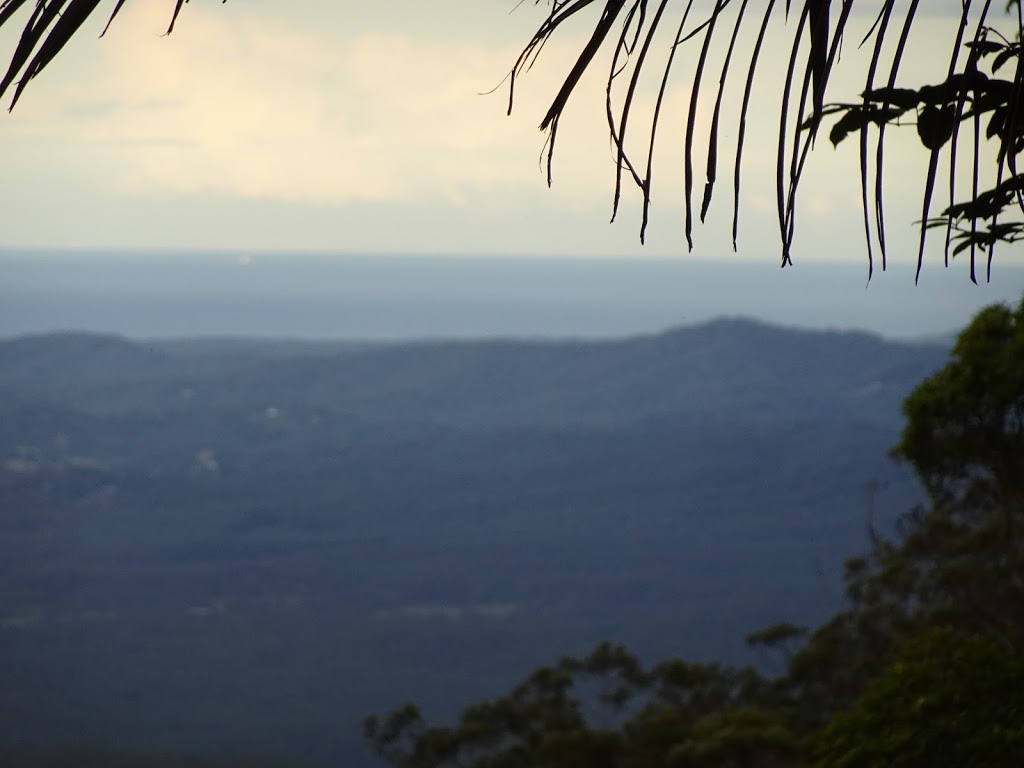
815 29
51 24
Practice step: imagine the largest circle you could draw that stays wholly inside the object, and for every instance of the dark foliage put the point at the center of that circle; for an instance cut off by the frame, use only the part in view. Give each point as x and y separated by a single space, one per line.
945 699
817 29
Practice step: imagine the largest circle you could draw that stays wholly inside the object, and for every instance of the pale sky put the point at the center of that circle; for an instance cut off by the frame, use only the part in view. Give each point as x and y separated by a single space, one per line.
359 127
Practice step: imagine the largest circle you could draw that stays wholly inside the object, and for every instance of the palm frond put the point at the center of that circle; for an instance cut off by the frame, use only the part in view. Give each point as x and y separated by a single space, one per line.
49 27
815 33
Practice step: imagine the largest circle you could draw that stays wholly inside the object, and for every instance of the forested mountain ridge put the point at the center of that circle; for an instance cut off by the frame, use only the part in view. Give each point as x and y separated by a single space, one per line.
260 542
734 366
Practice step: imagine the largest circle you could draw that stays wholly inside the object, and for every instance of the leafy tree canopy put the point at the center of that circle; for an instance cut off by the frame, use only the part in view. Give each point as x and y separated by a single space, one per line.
945 699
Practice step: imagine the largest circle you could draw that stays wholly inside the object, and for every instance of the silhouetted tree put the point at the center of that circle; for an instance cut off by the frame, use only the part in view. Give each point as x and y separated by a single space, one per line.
602 710
958 560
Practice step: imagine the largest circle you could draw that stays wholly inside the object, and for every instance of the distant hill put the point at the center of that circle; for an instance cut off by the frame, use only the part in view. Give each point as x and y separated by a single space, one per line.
222 546
732 366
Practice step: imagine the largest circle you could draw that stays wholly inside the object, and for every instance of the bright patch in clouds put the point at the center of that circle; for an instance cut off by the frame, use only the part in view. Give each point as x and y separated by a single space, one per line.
256 110
251 107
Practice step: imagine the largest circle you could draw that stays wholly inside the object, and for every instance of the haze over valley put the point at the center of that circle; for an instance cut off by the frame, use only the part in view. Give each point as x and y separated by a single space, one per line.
244 546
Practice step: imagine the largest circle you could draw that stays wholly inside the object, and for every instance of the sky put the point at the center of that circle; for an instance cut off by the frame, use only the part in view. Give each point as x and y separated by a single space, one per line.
361 127
380 128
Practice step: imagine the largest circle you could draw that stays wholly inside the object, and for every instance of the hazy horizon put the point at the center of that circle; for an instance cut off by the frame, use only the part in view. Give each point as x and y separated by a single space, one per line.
165 294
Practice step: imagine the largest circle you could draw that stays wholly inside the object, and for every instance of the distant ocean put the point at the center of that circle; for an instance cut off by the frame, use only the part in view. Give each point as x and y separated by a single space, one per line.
161 294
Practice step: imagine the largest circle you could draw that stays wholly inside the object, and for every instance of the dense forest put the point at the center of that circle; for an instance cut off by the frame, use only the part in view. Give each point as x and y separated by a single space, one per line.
243 547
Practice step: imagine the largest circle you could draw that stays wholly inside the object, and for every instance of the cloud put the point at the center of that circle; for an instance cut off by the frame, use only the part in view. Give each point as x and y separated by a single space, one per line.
255 107
247 107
